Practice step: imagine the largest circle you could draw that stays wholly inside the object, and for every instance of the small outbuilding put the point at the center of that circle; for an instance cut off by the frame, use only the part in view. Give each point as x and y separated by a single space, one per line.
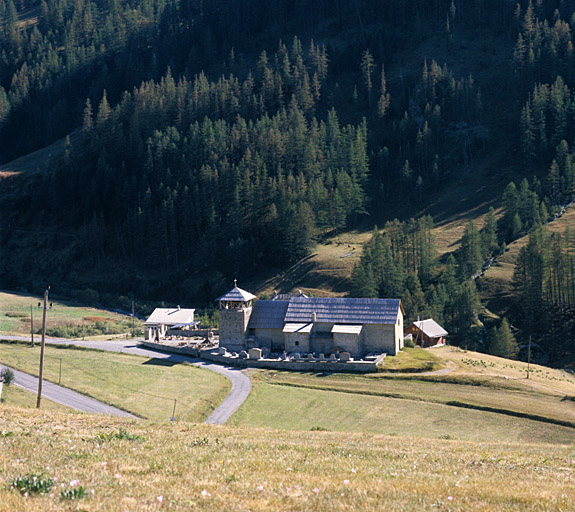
427 333
163 319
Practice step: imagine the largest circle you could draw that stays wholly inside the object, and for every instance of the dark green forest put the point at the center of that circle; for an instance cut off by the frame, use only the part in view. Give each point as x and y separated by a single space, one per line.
206 140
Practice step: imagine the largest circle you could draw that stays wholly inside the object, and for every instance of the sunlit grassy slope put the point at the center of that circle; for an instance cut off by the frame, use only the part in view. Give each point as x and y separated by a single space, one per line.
144 386
200 467
473 397
15 314
496 285
18 397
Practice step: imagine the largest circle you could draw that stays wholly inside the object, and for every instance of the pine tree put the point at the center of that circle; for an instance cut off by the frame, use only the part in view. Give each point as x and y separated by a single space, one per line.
471 257
88 116
489 234
367 67
103 110
384 99
502 343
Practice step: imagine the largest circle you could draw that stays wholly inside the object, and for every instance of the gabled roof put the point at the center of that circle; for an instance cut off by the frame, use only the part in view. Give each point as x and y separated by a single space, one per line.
268 314
305 328
171 316
343 310
288 296
237 295
347 329
430 328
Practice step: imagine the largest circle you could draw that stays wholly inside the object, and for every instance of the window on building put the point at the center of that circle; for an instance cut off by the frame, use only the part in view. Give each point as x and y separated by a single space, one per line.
297 343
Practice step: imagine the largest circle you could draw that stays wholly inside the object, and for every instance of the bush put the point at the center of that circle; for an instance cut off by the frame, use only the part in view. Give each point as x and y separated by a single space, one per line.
78 493
409 343
121 434
15 314
33 484
7 376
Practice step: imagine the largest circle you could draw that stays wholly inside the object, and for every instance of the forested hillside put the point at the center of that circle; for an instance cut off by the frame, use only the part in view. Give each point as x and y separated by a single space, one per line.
206 140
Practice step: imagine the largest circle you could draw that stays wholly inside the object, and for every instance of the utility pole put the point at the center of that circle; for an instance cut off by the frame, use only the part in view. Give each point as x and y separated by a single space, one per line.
173 418
32 324
528 357
42 348
133 321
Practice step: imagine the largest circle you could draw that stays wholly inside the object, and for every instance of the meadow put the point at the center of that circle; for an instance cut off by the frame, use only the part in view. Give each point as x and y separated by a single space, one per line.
473 397
143 386
64 319
136 465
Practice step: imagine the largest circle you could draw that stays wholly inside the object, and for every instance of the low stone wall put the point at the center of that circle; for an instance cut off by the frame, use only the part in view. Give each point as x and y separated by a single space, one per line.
209 354
299 366
198 333
188 351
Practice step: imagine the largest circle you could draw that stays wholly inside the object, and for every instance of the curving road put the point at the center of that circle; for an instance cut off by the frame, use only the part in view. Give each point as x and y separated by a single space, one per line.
66 396
241 384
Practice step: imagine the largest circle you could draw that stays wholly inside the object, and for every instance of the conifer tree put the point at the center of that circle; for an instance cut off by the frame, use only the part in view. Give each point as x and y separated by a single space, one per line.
384 99
502 343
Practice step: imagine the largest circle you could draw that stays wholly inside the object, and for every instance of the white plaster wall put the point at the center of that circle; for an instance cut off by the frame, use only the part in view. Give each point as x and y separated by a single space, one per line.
399 331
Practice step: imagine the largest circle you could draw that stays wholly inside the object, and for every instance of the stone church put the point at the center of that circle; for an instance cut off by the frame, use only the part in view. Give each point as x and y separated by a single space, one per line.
310 324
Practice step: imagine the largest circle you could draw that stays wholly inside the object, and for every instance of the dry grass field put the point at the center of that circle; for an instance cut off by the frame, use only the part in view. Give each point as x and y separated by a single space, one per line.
18 397
146 387
472 396
137 466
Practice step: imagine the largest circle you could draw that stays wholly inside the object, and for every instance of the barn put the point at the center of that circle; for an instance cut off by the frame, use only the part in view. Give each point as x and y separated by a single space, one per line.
427 333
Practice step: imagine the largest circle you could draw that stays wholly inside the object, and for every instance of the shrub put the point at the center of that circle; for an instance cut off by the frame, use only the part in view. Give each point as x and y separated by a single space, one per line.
15 314
121 434
33 484
7 376
409 343
78 493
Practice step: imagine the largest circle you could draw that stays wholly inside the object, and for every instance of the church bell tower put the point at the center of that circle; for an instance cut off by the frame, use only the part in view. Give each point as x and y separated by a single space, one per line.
235 311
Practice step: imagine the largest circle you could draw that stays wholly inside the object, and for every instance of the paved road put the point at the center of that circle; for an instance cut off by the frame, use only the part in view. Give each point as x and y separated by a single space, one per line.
241 384
66 396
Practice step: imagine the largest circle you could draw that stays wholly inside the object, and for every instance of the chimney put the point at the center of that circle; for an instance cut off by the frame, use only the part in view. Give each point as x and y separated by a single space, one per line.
314 317
179 307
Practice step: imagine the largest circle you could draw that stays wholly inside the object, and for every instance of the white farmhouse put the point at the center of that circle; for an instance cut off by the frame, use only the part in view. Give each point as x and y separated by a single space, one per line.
163 319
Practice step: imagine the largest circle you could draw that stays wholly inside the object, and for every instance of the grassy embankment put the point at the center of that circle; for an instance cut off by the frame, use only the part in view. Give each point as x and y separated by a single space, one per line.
204 467
146 387
18 397
478 398
63 320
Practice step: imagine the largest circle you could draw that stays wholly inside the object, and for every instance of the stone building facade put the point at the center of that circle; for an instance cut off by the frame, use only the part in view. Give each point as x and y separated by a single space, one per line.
311 324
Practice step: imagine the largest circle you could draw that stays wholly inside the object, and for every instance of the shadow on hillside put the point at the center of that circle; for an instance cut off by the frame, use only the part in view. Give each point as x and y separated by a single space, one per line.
161 362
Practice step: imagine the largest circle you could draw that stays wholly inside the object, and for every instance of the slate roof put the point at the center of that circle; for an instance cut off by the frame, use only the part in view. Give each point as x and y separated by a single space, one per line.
288 296
343 310
237 295
430 328
171 316
268 314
